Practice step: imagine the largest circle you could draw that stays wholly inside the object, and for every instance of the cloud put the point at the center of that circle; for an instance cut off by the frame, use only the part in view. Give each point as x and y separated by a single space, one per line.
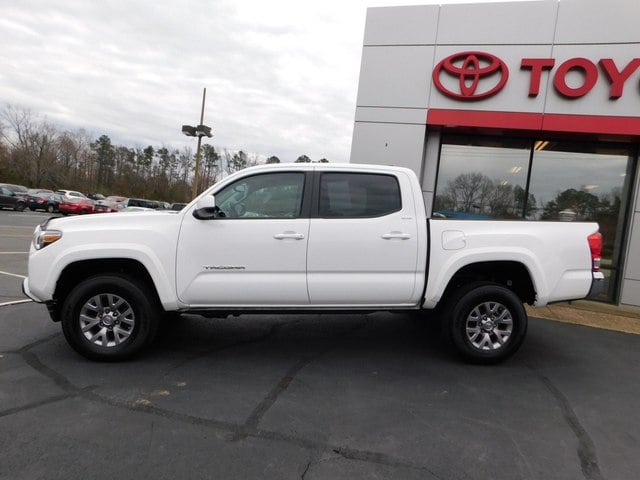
281 76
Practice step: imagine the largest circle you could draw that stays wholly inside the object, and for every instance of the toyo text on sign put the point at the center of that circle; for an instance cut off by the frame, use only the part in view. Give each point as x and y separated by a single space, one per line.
470 68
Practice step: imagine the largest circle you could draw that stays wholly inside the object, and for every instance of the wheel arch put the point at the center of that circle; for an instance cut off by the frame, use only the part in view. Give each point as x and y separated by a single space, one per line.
511 274
80 270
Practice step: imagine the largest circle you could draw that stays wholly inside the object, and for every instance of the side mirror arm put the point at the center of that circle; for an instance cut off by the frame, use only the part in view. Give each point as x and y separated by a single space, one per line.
206 208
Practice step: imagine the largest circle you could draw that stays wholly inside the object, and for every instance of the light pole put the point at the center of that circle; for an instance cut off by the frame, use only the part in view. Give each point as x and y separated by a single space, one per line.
198 131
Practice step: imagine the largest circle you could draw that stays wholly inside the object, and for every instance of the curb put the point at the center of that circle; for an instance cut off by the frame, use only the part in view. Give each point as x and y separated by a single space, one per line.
590 314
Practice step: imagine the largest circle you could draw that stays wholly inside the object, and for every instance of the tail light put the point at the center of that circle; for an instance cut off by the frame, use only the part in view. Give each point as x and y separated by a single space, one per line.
595 245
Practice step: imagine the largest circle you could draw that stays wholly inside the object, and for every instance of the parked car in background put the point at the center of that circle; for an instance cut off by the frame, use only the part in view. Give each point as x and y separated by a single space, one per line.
76 205
38 191
109 204
138 209
177 206
71 194
137 202
44 201
94 196
160 205
13 196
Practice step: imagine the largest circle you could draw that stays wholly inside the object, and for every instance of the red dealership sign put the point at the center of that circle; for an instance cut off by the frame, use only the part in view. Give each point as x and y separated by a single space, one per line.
459 76
469 68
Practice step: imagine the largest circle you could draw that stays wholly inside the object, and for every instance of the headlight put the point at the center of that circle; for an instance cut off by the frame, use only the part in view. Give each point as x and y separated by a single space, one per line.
42 238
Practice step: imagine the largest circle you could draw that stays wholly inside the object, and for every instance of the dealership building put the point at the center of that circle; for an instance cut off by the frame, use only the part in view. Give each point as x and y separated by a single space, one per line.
515 110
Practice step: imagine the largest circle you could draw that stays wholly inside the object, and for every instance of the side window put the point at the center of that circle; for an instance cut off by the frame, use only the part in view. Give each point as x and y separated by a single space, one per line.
358 195
271 195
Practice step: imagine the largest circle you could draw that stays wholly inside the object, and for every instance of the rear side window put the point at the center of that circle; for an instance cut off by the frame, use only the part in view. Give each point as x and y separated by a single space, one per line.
358 195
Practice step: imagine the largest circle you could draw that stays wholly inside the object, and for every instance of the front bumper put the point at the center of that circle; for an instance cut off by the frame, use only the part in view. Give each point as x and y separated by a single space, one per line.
27 292
52 305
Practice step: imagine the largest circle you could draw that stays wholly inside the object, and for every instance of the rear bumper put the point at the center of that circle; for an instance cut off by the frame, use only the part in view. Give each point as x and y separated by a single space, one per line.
597 285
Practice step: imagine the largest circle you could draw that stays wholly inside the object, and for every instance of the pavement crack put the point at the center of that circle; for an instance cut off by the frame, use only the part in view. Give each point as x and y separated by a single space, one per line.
586 447
29 346
382 459
347 453
270 399
40 403
60 380
258 413
306 470
162 412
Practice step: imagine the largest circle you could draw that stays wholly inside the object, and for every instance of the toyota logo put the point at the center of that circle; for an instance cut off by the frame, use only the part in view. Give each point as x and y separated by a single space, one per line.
469 68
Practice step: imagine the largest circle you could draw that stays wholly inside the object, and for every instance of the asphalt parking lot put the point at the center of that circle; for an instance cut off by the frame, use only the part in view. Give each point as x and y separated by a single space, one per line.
313 397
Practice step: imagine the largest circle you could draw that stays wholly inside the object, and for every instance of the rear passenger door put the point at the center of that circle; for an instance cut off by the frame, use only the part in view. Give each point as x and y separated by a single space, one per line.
363 244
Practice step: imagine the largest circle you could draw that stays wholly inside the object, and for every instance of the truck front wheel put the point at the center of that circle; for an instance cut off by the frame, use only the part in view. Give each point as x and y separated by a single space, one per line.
109 317
487 322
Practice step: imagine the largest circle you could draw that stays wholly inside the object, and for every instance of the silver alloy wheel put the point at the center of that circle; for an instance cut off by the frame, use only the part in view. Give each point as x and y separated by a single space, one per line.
489 326
107 320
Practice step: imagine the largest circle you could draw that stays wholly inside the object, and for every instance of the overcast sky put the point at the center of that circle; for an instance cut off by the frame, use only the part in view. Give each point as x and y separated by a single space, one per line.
281 76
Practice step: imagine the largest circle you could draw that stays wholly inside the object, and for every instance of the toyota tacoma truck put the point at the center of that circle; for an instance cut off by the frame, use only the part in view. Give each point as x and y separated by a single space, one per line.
306 238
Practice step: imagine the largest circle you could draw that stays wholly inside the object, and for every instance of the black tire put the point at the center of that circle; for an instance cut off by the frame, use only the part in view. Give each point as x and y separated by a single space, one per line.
20 206
51 208
487 322
109 317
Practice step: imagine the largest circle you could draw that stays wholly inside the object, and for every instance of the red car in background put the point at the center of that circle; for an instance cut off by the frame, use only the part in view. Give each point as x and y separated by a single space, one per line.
75 205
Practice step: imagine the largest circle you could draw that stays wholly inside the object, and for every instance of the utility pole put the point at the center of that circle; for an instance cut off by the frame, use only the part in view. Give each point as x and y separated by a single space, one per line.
200 131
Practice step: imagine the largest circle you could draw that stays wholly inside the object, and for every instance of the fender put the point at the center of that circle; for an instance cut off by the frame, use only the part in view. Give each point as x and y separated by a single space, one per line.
442 276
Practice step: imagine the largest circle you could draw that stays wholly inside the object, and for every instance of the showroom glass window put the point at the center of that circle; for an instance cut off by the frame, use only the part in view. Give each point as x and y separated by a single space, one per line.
585 182
534 179
482 178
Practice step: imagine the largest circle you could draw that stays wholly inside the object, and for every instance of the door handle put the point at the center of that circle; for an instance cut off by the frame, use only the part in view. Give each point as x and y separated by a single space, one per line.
286 235
396 235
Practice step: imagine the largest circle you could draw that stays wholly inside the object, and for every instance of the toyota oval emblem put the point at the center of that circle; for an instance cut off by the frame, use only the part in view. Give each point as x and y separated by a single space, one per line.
469 68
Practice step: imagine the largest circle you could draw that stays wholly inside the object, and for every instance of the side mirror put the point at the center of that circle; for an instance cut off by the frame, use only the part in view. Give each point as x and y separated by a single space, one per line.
205 208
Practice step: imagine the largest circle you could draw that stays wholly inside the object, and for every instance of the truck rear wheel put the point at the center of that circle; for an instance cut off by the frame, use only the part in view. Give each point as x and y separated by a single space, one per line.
109 317
487 322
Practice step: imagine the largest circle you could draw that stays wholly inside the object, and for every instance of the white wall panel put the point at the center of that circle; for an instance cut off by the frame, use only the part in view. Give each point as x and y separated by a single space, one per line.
395 76
598 21
631 293
414 25
389 144
513 23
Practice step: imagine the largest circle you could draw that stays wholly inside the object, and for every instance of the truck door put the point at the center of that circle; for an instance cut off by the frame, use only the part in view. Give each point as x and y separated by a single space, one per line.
254 252
363 241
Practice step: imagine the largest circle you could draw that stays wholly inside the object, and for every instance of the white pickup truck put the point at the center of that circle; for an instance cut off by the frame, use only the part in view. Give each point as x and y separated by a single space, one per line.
306 238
